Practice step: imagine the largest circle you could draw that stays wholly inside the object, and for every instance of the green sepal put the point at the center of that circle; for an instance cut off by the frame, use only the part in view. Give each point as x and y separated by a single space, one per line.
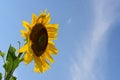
25 40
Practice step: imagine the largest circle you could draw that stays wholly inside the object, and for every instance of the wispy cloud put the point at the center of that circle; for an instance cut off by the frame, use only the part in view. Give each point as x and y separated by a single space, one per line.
69 20
84 67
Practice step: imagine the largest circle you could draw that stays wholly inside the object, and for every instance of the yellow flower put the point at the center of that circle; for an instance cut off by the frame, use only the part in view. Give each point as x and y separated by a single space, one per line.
39 46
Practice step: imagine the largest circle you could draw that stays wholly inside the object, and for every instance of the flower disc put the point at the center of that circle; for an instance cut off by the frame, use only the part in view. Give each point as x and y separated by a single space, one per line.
39 38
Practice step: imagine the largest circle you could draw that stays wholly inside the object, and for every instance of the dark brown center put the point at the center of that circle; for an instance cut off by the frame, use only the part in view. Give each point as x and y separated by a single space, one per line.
39 38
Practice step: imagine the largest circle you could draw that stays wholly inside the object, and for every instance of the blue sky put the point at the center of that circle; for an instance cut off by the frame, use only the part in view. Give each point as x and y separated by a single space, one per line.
88 39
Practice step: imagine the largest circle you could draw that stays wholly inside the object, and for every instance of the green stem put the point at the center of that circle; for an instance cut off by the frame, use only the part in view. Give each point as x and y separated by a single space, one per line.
9 75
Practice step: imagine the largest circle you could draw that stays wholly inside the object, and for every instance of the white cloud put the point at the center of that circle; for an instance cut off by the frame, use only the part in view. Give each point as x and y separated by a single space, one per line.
84 67
69 20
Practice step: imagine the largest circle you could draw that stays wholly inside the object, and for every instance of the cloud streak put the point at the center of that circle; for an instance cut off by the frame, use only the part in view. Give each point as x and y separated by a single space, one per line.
84 67
69 20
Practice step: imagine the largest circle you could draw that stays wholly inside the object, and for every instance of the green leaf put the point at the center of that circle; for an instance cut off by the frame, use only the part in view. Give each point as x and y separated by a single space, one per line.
2 54
11 53
0 76
12 61
8 66
16 63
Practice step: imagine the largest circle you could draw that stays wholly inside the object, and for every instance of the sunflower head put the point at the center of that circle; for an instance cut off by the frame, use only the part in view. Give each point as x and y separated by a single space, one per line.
39 46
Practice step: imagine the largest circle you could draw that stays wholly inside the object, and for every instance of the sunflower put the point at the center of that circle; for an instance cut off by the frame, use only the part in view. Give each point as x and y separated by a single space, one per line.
39 46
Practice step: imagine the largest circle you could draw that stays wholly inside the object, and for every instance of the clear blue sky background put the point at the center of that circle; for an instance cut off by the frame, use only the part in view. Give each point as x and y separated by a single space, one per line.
88 40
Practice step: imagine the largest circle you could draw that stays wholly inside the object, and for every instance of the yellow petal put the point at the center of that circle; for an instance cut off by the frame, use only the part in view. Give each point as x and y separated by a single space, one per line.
52 26
52 48
26 25
41 18
48 56
24 33
23 49
46 64
38 67
28 57
47 19
52 34
55 38
51 42
51 29
34 17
